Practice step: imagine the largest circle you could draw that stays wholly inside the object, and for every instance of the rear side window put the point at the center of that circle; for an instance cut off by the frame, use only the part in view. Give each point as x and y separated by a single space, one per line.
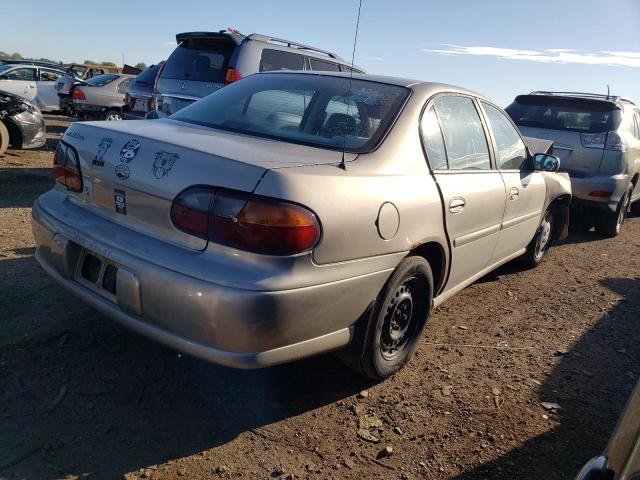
122 86
200 60
279 60
572 114
48 75
323 66
433 141
511 150
463 133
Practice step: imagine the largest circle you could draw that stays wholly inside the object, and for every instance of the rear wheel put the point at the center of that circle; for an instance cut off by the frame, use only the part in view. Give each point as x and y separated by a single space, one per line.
398 319
4 138
113 115
537 248
609 224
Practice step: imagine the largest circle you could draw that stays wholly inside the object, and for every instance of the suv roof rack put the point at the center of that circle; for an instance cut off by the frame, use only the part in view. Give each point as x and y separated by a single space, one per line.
599 96
290 44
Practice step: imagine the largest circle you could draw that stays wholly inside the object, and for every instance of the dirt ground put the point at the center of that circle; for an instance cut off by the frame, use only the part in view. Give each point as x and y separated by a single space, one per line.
81 397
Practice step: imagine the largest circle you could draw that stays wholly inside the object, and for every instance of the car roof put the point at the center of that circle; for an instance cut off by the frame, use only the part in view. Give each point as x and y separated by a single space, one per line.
418 85
33 65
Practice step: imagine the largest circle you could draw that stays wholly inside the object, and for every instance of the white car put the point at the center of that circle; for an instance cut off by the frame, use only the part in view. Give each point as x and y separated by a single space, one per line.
33 82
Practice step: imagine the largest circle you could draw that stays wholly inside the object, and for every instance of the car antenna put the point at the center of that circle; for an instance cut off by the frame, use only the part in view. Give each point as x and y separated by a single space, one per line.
607 91
353 56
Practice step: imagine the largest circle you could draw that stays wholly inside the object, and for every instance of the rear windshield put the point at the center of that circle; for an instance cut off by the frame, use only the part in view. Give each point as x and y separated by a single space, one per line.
576 115
103 79
201 60
148 76
309 109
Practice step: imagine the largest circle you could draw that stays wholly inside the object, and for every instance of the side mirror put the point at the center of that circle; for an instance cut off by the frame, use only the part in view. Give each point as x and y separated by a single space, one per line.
546 163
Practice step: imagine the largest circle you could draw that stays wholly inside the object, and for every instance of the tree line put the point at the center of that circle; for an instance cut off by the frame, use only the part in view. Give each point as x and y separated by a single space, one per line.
17 56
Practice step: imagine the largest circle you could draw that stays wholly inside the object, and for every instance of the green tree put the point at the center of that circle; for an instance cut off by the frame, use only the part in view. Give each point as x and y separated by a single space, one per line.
4 54
16 56
141 65
90 62
109 64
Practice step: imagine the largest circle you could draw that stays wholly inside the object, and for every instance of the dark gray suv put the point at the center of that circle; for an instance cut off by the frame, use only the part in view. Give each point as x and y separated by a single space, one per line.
206 61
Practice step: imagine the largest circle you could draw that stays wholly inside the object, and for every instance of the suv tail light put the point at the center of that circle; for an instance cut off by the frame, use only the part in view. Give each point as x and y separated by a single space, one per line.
232 75
604 140
246 221
66 167
78 94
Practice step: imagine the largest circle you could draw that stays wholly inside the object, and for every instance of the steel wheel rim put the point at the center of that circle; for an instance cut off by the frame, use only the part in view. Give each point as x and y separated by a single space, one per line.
113 116
400 320
544 236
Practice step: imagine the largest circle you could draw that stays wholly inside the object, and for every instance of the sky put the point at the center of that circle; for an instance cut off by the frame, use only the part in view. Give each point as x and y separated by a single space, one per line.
499 48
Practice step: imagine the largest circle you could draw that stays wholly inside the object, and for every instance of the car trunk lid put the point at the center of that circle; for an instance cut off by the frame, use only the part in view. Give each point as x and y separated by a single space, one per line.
132 170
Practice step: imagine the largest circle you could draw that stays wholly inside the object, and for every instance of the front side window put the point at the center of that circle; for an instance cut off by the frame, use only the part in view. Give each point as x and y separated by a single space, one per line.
512 152
464 137
432 139
24 74
273 60
48 75
323 66
322 111
638 125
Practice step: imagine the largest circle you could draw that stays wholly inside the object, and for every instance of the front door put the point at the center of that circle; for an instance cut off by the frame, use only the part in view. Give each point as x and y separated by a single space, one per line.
20 81
525 189
472 190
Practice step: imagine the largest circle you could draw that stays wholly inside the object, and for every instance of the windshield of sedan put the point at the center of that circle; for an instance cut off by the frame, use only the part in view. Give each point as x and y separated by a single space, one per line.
100 80
309 109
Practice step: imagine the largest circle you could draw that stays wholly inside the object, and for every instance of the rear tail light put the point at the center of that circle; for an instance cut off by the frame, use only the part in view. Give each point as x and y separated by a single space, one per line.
232 75
78 94
66 167
246 221
603 140
600 194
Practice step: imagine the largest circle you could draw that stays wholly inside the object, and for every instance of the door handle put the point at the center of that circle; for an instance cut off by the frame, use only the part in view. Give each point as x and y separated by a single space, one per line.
514 193
457 204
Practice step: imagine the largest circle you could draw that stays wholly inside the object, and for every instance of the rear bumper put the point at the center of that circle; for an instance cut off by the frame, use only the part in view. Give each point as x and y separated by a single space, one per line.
582 188
231 326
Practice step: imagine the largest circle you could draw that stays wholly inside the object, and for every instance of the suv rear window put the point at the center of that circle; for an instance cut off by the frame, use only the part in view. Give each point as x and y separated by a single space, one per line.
572 114
201 60
314 110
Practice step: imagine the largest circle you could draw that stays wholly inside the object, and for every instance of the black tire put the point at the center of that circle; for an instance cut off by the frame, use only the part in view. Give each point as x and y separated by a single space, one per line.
539 245
581 222
4 138
609 224
391 334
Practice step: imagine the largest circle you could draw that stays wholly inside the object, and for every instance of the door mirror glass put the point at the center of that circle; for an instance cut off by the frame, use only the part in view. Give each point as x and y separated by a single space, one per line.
546 163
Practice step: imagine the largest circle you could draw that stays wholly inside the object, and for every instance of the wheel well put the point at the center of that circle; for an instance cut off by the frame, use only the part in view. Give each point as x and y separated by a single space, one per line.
433 253
560 215
15 135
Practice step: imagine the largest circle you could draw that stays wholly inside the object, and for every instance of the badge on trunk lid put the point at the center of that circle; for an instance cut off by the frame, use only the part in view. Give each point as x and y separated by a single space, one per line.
120 201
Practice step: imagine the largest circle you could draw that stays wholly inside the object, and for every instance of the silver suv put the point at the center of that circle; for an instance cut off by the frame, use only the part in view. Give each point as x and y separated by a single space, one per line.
597 138
206 61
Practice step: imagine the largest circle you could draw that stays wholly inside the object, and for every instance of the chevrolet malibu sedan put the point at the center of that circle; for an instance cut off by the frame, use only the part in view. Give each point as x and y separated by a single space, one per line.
290 214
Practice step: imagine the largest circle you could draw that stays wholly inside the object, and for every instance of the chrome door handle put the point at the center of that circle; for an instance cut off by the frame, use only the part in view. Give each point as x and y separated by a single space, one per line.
457 204
514 193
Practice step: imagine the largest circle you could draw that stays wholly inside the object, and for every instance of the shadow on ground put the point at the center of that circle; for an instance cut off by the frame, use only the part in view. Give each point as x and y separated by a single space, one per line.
592 384
85 395
19 187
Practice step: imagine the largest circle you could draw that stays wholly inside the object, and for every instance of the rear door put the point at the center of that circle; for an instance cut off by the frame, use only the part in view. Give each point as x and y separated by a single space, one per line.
21 81
525 189
46 87
473 191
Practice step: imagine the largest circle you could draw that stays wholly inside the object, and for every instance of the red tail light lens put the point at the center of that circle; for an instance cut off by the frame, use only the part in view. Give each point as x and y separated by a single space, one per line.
232 75
600 194
246 221
66 167
78 94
